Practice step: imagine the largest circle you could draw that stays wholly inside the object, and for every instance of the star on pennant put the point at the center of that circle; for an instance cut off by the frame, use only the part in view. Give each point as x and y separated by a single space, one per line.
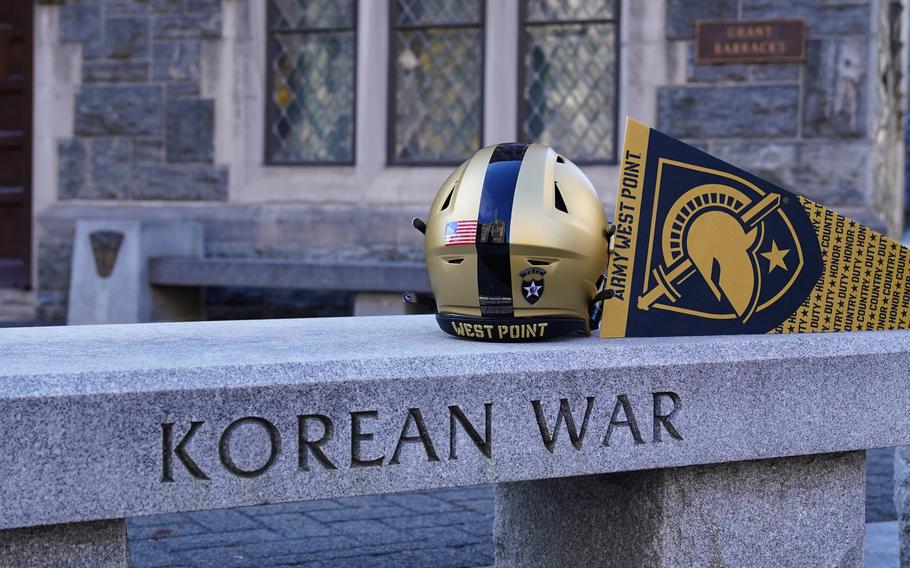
533 289
775 257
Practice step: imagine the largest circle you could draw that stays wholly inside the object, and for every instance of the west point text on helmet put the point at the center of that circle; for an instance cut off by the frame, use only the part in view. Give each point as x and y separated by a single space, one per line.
500 331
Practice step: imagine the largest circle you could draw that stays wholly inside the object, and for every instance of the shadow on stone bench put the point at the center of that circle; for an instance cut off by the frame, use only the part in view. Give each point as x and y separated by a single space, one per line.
130 271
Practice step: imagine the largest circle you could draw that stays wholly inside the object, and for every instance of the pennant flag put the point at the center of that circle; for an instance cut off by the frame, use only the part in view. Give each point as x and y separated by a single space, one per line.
704 248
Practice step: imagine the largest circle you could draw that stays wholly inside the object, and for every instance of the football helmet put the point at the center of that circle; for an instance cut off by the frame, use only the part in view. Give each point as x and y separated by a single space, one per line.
516 245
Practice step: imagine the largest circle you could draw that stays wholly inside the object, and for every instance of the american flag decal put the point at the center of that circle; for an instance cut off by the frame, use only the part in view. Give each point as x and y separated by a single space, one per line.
461 233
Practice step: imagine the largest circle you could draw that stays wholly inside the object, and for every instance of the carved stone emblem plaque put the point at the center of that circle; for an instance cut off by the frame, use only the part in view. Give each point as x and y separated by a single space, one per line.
105 247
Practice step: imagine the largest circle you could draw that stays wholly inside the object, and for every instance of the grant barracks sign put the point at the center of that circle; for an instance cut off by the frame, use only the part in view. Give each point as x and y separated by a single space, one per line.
750 41
251 446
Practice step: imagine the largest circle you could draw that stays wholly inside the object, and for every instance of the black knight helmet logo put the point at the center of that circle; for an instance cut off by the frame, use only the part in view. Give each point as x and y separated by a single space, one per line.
532 284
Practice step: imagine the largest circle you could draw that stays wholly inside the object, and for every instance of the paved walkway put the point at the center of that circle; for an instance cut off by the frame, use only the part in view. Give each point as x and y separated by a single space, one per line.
445 528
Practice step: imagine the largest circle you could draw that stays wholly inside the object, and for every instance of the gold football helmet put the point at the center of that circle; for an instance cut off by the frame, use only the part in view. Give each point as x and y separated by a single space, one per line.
516 246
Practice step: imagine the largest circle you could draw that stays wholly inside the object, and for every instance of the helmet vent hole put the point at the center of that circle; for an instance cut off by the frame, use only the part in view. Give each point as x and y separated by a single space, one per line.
455 260
560 160
448 200
538 262
560 202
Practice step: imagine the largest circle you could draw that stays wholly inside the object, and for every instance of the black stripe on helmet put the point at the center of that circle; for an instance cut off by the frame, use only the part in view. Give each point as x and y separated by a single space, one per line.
494 278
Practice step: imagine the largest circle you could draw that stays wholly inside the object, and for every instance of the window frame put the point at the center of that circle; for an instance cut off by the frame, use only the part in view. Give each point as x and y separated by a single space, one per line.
523 23
392 84
270 32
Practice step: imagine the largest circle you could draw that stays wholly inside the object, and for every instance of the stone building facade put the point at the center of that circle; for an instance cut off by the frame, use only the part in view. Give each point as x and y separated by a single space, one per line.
317 129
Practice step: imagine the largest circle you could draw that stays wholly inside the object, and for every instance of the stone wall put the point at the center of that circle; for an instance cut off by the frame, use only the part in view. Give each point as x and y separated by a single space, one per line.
828 128
142 130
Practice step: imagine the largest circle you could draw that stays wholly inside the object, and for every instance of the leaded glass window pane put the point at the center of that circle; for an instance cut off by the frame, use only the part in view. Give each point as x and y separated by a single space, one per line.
563 10
312 52
568 99
437 80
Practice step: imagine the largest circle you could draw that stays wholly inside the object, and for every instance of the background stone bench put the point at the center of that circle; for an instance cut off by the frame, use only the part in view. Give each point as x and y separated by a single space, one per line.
743 450
127 271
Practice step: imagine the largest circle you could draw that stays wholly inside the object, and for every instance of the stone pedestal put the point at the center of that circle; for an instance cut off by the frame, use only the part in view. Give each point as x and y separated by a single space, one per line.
902 500
109 280
100 544
805 511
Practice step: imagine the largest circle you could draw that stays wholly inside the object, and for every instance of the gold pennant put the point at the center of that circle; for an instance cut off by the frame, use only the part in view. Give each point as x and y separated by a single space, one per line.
704 248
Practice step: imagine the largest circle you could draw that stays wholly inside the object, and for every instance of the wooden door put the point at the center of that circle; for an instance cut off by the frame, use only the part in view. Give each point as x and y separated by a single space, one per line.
15 142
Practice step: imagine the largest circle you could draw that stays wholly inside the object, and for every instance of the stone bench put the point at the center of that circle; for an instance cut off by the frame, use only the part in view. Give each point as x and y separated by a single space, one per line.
738 451
131 271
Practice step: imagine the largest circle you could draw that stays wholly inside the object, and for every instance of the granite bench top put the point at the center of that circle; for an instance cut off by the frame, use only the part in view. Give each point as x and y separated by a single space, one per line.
125 420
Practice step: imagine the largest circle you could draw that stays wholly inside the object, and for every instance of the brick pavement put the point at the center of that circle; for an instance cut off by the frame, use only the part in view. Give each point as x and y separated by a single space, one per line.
445 528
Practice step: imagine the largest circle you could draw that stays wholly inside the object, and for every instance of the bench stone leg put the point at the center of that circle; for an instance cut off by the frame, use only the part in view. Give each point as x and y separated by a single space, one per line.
902 500
109 279
806 511
100 544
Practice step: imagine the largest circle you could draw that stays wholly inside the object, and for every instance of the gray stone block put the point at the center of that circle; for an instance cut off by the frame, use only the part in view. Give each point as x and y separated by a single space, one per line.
836 91
682 14
176 61
103 110
73 168
203 6
116 403
115 72
126 38
181 91
80 22
166 6
100 544
831 173
148 151
729 111
837 17
180 182
94 169
207 26
119 291
805 511
190 130
126 7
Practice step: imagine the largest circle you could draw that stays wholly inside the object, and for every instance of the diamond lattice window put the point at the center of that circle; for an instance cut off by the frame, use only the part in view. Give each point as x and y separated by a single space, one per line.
312 57
436 80
567 98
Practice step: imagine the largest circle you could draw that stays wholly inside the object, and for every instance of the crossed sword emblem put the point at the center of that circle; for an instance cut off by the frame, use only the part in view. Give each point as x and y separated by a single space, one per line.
668 278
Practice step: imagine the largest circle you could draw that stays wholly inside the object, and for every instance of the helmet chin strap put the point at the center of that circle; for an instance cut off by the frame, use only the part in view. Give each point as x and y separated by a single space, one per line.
596 307
427 300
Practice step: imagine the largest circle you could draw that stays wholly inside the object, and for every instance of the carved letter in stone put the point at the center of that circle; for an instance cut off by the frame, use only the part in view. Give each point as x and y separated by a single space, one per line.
485 445
224 446
664 419
358 436
105 247
423 436
565 413
306 445
180 451
622 403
